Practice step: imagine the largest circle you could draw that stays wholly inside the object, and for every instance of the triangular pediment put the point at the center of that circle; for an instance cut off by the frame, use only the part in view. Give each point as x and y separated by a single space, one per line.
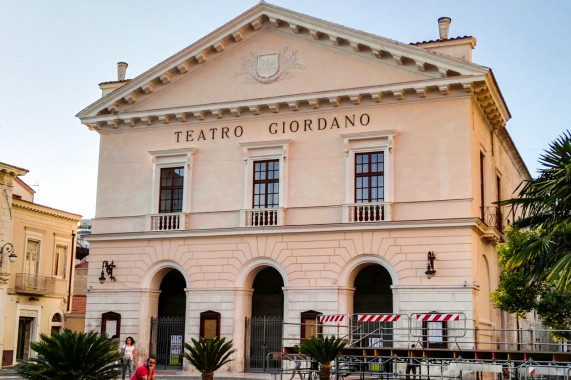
274 64
270 57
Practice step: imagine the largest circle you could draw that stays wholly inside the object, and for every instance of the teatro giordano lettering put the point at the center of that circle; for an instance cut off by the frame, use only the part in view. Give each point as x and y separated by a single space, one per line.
274 128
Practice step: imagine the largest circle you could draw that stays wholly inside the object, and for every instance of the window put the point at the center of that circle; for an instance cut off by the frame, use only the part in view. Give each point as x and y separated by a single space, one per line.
32 257
266 184
369 177
482 188
172 189
57 323
59 261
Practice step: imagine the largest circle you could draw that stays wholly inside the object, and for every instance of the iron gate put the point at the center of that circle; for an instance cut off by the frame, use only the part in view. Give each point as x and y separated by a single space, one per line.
265 334
167 334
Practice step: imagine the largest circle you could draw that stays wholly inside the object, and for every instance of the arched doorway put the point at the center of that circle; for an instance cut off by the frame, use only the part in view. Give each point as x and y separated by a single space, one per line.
167 330
265 325
373 295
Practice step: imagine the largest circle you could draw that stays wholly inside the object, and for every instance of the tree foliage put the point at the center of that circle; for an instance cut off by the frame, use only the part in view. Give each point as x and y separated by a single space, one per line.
514 294
545 207
554 307
207 355
72 355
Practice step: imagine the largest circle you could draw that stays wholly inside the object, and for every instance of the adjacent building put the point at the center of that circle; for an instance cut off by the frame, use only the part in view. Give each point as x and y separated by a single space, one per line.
284 168
37 256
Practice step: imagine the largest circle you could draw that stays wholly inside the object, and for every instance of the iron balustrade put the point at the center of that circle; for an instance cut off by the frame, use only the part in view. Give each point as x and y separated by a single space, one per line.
34 284
493 217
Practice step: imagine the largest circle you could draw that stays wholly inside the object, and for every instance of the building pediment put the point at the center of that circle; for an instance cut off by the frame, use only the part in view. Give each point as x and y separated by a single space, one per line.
270 60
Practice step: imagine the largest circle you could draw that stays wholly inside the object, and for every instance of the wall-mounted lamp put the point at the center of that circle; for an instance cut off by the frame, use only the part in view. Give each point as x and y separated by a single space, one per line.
106 268
7 248
430 272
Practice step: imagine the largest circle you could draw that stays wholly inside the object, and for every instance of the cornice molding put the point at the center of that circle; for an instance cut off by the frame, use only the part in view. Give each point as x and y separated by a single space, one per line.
240 231
424 90
24 205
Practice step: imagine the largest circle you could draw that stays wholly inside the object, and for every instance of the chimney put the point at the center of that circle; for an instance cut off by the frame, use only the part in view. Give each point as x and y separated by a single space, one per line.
444 27
122 69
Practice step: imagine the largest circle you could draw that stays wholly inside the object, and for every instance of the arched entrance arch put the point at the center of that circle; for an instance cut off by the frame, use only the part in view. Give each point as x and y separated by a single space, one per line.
263 281
370 279
167 282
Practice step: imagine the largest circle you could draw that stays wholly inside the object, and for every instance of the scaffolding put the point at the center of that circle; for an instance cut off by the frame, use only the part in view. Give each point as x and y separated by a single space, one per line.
425 346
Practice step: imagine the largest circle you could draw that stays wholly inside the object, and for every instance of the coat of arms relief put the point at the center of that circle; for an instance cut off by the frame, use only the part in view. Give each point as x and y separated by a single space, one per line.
269 68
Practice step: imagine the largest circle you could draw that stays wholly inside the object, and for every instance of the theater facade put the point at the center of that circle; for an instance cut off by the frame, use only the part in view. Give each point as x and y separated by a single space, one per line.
285 171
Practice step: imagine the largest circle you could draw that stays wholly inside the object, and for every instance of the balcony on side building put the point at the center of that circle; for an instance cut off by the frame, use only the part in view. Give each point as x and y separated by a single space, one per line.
367 212
492 217
34 284
262 217
166 222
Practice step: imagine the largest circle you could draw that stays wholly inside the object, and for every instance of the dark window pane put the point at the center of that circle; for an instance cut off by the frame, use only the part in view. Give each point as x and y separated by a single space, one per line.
266 184
369 177
171 190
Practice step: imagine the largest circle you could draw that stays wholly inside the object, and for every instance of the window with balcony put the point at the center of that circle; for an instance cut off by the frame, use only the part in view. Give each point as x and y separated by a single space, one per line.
369 186
266 183
32 263
171 189
369 176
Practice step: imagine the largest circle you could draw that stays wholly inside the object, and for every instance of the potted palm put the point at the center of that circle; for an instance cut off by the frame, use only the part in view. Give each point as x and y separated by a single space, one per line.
207 355
324 351
72 355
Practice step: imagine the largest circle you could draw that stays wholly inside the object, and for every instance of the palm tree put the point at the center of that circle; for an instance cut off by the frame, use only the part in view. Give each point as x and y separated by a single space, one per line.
545 206
72 355
207 355
324 351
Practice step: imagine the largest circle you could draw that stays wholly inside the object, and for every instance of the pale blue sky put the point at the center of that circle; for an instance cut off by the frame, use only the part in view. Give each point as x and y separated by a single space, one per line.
54 53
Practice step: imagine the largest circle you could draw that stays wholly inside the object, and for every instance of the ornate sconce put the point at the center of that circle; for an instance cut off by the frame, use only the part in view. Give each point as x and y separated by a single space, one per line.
430 272
106 268
7 248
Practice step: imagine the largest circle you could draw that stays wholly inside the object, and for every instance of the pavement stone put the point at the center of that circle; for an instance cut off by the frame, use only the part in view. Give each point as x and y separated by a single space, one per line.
9 373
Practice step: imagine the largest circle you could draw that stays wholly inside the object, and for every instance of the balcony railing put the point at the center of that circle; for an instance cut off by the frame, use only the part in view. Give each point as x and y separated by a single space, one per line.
367 212
493 217
166 222
34 284
262 217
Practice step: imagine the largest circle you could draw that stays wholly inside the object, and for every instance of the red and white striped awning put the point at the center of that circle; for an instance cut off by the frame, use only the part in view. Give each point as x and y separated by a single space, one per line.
332 318
378 317
438 317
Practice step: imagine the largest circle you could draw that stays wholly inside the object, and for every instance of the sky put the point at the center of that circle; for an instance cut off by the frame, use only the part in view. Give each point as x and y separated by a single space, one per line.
55 53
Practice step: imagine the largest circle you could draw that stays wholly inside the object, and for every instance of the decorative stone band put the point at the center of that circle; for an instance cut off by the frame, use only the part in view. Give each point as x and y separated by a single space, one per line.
332 318
378 317
438 317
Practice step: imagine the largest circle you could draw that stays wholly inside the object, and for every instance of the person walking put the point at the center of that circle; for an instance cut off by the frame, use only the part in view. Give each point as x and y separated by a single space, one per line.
128 351
146 371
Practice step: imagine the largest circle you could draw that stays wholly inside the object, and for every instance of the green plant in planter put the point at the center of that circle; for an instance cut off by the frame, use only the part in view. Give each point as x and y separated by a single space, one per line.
72 355
208 355
324 351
